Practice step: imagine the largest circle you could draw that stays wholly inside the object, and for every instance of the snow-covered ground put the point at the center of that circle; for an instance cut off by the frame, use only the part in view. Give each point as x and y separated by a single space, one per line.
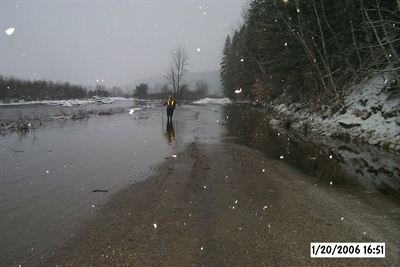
208 100
368 116
69 102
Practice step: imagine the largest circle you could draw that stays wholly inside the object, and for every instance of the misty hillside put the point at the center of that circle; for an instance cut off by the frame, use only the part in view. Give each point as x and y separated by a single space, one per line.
155 82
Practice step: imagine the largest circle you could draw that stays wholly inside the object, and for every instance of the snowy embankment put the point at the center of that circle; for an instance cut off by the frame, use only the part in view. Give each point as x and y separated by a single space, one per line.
207 100
369 116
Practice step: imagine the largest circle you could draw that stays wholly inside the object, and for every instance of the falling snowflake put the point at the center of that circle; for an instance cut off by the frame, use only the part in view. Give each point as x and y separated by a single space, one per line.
205 187
298 10
236 201
47 171
238 91
202 248
155 225
263 170
265 207
342 218
285 44
242 60
131 111
281 157
331 183
10 31
198 49
204 13
330 157
93 206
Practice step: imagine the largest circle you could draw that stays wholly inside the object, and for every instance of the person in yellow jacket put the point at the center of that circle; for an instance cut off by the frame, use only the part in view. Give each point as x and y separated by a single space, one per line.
170 103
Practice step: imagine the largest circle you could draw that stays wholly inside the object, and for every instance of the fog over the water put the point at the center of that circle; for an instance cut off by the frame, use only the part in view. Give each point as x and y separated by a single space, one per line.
114 41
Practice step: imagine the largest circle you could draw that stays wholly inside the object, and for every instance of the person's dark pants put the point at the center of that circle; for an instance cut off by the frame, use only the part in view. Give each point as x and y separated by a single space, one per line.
170 112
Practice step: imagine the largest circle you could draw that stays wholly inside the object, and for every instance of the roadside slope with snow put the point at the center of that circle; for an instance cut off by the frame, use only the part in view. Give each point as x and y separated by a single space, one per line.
369 116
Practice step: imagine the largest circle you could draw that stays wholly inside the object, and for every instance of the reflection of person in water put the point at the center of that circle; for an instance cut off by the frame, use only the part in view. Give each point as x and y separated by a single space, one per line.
170 131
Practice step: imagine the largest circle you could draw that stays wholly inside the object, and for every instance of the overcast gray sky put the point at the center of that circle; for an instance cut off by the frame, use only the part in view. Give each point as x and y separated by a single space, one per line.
118 41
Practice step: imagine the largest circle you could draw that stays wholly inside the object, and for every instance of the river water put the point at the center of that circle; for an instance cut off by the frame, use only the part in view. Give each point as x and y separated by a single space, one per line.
55 177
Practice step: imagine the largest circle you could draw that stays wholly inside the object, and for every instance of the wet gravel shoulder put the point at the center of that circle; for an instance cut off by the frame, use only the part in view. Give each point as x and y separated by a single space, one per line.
224 204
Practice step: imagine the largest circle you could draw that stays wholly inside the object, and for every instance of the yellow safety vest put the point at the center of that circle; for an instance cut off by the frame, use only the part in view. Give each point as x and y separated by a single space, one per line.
170 102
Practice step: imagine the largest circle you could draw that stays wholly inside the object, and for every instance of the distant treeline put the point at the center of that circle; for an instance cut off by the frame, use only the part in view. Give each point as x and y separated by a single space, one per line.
197 91
12 89
310 51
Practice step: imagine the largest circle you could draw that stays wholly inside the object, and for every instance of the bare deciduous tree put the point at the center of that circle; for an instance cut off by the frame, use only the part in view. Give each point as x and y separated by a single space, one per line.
177 69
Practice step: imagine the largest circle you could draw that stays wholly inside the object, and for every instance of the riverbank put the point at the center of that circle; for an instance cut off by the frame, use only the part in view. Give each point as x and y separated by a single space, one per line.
223 204
25 116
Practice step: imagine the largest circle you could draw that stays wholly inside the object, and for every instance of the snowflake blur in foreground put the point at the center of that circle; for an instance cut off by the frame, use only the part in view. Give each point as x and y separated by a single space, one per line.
198 49
10 31
238 91
281 157
155 225
131 111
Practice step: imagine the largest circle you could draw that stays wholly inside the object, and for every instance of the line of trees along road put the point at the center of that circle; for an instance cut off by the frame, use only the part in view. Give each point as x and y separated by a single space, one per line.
308 50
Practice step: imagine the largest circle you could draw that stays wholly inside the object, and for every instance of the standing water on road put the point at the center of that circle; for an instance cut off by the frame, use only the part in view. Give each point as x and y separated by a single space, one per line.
56 176
335 162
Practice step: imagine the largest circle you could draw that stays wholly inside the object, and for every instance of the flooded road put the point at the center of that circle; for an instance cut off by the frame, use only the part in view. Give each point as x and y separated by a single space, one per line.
366 167
57 177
